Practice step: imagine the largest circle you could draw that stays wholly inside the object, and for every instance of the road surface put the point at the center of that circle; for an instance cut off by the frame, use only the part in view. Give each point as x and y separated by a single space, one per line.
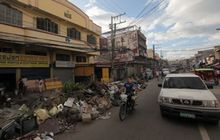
145 123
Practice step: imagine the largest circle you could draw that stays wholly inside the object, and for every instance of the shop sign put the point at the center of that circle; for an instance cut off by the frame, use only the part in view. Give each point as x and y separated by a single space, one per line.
65 64
22 60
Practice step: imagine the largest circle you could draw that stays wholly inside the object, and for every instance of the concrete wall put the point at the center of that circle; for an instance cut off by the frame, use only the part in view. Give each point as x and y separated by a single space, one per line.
54 10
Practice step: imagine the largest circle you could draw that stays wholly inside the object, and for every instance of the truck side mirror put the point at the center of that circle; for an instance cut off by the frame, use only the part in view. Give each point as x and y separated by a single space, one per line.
209 86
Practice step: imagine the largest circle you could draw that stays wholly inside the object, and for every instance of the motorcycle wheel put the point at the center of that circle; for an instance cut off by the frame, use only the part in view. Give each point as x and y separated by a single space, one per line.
122 112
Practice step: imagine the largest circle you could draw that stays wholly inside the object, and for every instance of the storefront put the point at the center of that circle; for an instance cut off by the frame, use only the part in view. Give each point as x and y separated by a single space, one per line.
15 66
102 72
8 78
64 70
35 73
84 73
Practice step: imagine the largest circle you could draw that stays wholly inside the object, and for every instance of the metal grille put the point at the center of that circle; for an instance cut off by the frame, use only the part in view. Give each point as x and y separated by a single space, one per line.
187 102
197 103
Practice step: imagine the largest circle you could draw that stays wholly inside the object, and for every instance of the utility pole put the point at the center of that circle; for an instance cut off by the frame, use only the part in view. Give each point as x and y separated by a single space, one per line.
113 27
154 63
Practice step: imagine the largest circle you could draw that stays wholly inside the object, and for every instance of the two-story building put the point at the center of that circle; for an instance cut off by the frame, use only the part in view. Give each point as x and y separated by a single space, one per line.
45 39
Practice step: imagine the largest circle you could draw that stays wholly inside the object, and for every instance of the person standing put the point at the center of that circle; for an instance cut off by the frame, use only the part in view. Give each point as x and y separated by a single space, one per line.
20 88
41 85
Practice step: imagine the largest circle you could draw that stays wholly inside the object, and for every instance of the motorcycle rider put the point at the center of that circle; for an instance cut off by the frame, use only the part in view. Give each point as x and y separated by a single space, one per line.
129 86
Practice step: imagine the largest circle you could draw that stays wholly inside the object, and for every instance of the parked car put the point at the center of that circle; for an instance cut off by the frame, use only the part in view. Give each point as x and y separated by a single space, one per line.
186 95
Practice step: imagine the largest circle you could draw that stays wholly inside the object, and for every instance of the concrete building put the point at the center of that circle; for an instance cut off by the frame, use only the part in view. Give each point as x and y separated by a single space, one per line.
150 53
204 58
217 53
45 38
130 53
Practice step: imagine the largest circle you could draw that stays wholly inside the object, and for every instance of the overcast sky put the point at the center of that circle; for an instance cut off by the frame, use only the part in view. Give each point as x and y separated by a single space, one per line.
178 27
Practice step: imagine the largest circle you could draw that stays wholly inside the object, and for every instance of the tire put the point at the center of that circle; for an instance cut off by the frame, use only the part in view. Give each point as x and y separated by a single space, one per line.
132 106
122 112
162 113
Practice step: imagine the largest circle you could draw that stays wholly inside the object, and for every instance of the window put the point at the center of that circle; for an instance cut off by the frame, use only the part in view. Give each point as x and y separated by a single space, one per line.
91 39
184 82
73 33
62 57
47 25
10 16
81 59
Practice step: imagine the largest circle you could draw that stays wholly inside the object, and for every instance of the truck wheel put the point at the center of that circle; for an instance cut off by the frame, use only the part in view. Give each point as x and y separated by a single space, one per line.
162 113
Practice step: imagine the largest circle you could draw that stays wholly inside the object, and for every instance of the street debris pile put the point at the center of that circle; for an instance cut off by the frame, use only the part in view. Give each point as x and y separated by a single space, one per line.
54 112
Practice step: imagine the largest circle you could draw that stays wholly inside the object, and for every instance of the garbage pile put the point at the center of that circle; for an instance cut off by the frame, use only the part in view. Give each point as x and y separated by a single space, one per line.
57 112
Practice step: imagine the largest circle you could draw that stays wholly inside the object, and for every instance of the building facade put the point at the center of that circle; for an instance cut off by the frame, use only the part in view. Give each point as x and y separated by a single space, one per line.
129 54
45 39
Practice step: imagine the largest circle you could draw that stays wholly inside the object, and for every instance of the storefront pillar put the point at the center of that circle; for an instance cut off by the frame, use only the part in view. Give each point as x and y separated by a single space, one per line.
18 75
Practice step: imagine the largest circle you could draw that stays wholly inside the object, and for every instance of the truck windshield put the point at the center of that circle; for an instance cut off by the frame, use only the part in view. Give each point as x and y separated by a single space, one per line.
184 82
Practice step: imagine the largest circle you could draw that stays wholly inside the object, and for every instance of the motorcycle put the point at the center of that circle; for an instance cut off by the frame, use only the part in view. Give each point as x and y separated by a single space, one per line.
127 106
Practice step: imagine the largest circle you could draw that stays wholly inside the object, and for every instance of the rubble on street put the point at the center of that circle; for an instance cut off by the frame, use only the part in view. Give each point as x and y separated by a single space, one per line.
54 112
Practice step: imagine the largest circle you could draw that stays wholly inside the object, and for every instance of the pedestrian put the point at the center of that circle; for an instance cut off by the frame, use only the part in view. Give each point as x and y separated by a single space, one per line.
20 88
41 85
157 75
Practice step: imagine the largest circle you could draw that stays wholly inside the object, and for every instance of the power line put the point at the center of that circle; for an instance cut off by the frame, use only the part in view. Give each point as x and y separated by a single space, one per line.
151 11
141 12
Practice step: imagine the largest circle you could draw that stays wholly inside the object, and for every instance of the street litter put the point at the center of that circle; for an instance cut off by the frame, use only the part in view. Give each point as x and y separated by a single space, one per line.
42 115
69 102
106 116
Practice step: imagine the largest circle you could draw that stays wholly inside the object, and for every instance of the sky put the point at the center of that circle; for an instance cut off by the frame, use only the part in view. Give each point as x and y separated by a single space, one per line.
178 28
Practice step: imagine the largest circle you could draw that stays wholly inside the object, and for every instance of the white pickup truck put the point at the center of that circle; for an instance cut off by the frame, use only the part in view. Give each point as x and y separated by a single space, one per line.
186 95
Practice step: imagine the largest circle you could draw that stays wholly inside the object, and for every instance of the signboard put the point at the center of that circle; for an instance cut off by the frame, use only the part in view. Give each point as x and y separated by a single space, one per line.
65 64
13 60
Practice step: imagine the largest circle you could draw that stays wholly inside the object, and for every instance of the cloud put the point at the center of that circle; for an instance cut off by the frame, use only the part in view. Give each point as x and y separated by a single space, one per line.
176 24
90 3
190 18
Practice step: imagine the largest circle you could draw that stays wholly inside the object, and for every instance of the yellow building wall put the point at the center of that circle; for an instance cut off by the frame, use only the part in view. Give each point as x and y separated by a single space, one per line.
59 7
29 21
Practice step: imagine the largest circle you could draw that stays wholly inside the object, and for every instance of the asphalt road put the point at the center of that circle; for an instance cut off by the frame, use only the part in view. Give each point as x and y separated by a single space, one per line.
145 123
